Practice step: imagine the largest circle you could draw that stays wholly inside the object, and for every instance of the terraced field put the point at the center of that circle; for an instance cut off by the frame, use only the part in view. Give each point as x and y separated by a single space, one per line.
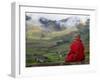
48 49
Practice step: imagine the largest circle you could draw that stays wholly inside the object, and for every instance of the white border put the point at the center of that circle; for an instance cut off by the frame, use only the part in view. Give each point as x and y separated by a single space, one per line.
18 41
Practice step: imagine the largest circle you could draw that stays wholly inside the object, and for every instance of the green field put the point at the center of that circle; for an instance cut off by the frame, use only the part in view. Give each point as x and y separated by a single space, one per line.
50 48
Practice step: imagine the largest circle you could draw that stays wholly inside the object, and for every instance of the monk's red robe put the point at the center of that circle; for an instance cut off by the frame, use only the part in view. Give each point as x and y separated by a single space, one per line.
76 52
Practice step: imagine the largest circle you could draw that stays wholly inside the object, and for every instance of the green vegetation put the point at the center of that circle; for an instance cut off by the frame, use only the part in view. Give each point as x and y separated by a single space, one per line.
50 48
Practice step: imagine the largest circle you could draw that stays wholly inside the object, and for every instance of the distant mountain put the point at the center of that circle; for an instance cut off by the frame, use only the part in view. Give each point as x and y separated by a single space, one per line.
60 24
28 18
50 25
48 28
71 21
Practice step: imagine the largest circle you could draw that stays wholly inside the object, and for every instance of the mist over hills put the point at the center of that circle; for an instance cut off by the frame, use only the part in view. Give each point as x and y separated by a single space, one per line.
49 28
50 25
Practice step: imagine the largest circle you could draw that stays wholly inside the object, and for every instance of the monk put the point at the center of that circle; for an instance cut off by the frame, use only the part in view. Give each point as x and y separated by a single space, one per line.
76 52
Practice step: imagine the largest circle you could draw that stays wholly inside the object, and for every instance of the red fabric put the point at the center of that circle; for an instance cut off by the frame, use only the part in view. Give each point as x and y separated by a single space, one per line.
76 51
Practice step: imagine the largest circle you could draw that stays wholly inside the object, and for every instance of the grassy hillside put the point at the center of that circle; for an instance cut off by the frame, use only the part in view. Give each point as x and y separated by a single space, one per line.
50 48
